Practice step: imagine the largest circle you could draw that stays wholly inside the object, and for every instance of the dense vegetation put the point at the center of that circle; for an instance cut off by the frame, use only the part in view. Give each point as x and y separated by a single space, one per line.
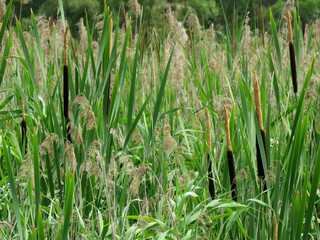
125 133
208 11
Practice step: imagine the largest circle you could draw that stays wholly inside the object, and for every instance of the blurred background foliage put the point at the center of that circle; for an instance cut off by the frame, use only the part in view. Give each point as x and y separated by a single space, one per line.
208 11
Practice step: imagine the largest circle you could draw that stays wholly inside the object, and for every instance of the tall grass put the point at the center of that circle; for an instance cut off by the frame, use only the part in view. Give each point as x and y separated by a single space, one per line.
143 146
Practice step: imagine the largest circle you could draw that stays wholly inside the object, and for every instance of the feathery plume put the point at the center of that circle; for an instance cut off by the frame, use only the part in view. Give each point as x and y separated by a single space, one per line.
169 143
135 7
135 184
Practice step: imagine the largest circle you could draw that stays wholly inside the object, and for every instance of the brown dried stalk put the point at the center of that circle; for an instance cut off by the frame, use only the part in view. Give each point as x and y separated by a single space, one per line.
232 172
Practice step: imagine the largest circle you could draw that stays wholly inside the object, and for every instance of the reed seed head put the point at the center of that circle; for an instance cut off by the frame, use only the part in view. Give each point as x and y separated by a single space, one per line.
135 7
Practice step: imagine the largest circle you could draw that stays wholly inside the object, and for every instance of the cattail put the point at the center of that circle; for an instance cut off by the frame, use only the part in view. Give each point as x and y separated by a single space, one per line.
232 172
257 101
275 227
66 85
262 22
292 56
24 128
156 42
124 17
210 174
109 80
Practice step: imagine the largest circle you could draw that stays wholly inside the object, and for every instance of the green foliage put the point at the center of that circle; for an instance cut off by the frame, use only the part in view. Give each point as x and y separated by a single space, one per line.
137 165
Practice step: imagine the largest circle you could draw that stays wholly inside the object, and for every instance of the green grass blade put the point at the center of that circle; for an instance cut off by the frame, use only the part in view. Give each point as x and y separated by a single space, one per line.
6 101
12 186
132 87
36 171
5 20
276 42
38 48
159 99
133 126
4 58
68 205
62 14
26 55
40 226
313 195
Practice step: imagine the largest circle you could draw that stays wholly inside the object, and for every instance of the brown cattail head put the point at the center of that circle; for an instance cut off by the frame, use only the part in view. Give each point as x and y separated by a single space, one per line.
208 129
124 16
257 100
232 171
226 121
66 46
23 110
275 227
292 55
24 127
232 175
290 37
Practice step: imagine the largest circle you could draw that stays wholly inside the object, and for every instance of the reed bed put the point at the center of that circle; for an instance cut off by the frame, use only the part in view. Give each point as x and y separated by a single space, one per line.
119 139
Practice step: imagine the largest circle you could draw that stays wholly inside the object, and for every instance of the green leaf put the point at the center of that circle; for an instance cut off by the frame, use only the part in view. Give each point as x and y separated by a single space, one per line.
12 186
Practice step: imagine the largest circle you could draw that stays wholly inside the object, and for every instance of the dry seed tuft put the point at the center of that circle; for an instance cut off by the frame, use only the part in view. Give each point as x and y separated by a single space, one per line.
135 184
71 157
169 143
194 23
47 145
113 170
135 7
3 8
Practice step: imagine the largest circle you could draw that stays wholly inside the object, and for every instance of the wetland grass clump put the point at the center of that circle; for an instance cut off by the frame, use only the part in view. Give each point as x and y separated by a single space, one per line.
232 171
292 55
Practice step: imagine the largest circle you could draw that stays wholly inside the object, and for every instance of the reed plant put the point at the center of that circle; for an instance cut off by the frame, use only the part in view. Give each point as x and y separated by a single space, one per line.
137 165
